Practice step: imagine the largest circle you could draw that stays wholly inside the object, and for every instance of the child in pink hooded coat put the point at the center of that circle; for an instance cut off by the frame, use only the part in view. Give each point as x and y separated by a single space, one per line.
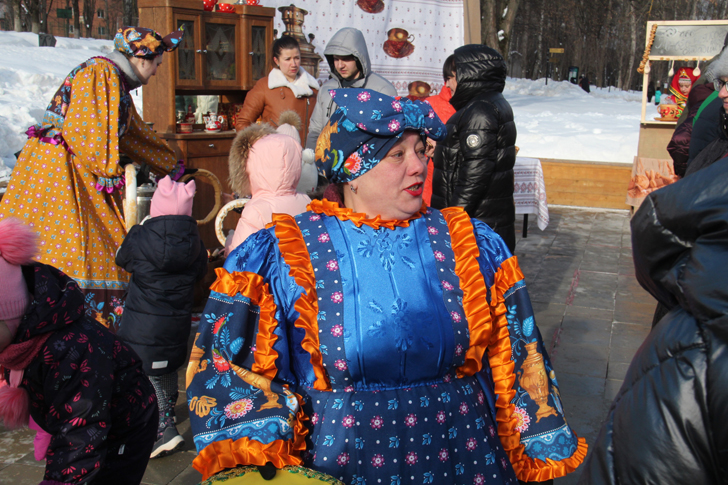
265 164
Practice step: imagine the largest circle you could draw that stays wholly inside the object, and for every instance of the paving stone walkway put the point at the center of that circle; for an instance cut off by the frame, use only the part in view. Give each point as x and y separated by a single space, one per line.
592 313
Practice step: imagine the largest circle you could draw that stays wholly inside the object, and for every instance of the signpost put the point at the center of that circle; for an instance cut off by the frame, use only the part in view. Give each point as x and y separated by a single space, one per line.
554 59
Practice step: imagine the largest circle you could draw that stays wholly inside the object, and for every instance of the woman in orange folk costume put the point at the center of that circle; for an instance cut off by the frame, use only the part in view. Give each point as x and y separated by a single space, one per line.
66 181
374 339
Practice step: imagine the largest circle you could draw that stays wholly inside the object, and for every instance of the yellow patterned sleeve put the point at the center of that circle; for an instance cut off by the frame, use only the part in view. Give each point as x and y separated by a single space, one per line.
91 125
143 145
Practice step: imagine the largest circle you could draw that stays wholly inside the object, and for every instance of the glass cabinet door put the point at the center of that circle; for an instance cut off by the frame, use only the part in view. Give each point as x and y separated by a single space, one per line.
258 52
188 69
220 42
259 39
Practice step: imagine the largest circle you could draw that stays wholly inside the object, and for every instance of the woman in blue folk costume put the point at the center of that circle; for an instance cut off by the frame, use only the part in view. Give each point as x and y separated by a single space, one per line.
374 339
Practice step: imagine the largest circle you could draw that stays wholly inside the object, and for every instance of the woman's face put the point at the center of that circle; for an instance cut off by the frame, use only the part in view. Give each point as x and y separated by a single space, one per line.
145 68
685 88
452 83
289 62
393 188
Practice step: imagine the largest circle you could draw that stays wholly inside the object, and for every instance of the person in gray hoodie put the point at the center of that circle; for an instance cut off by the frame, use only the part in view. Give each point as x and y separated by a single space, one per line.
348 60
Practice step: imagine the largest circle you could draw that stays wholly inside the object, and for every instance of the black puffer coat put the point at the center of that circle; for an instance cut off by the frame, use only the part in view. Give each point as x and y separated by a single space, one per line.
165 257
669 421
86 388
473 167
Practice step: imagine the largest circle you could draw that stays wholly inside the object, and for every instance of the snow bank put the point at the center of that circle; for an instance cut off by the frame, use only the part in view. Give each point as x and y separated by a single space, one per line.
560 120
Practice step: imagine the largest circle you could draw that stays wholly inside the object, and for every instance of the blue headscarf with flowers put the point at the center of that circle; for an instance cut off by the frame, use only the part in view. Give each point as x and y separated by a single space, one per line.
363 129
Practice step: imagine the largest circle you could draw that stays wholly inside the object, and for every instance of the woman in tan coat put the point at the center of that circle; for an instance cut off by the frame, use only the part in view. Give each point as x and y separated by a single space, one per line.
287 87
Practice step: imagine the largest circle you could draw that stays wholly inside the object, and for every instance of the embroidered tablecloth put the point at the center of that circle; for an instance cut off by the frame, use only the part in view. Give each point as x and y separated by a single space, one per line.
529 190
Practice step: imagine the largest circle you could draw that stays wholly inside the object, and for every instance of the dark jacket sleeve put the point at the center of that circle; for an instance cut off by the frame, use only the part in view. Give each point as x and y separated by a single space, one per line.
478 137
125 254
657 429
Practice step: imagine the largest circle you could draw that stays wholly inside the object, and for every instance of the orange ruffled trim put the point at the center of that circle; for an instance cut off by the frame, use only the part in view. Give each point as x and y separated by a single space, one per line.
475 292
294 252
489 326
252 286
527 469
219 455
333 209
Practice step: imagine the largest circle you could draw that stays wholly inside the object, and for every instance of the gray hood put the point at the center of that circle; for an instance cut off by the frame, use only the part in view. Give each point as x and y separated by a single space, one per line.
348 42
121 60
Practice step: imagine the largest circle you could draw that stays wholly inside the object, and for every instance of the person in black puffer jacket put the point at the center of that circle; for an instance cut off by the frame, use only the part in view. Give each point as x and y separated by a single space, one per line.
669 421
73 381
473 167
165 257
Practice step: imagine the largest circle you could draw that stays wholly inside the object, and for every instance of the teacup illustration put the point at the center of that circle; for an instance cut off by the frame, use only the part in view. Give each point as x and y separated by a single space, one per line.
371 6
398 43
418 90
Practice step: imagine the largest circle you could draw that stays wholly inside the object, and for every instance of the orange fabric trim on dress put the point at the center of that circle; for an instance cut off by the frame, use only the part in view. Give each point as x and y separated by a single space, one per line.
488 326
219 455
294 252
252 286
475 303
499 353
333 209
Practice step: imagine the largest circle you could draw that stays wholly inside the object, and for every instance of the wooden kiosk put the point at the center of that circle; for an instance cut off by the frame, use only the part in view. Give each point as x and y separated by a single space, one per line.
223 54
692 41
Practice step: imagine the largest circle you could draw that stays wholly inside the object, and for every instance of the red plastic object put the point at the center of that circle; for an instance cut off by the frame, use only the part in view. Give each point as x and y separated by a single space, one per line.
226 7
209 5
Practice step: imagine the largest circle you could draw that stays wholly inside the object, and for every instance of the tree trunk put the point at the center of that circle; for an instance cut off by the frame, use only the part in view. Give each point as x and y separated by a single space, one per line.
76 20
33 10
17 23
632 44
107 17
489 24
538 65
524 48
505 23
130 12
89 12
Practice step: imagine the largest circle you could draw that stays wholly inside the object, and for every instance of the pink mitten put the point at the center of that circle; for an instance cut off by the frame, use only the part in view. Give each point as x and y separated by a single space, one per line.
41 442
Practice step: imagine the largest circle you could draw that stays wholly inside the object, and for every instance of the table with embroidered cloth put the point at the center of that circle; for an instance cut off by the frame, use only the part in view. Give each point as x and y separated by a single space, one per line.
529 192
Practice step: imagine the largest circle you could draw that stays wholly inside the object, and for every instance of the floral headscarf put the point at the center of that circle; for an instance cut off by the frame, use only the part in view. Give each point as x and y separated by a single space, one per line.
365 127
141 42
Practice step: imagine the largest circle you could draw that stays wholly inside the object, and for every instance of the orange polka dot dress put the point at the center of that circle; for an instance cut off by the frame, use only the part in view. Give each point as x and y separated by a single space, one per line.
67 179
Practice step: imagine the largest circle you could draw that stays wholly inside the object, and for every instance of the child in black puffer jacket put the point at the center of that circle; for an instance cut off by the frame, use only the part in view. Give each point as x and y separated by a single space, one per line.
165 257
72 379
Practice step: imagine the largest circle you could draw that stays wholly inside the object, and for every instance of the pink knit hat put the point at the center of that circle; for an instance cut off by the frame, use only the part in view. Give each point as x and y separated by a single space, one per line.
18 246
172 198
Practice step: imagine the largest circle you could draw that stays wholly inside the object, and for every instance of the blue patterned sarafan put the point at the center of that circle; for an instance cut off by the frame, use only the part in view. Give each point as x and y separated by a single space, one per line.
386 388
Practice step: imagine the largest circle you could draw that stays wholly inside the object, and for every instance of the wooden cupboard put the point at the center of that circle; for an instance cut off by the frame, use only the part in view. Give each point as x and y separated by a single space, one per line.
223 54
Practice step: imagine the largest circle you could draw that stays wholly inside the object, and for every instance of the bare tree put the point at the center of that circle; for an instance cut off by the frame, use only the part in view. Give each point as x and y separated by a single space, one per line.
76 20
130 12
89 12
498 17
17 21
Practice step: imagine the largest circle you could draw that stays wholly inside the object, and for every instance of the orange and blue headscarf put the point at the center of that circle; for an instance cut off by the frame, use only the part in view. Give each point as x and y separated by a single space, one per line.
365 126
141 42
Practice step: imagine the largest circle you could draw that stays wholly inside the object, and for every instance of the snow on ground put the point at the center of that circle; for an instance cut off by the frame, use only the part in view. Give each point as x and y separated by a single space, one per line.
557 120
560 120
